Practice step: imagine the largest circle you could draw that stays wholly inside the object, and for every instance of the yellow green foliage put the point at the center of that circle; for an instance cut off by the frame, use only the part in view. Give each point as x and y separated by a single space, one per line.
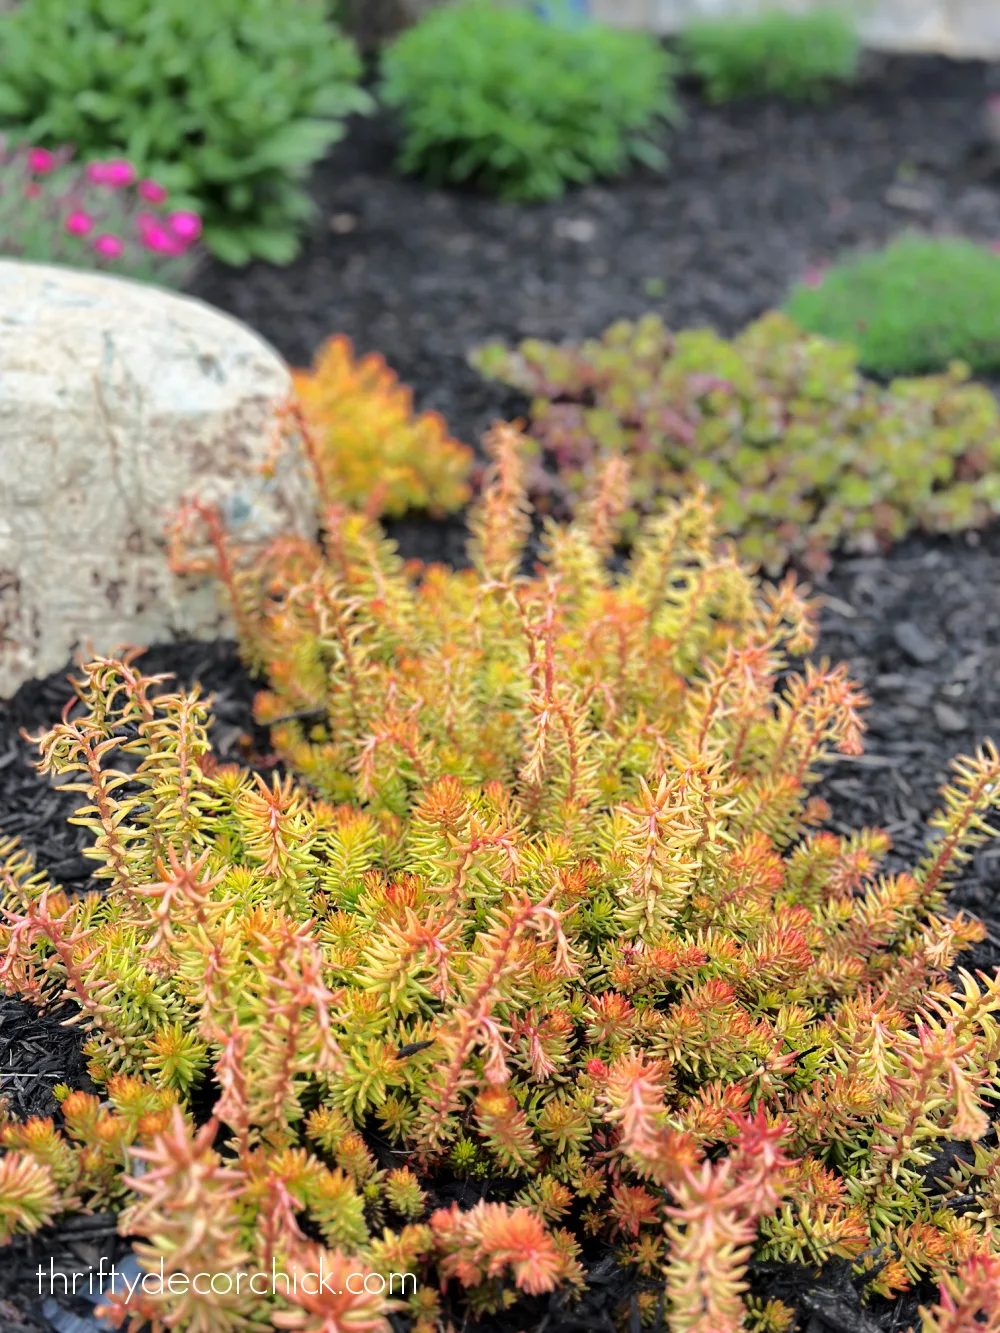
371 451
552 904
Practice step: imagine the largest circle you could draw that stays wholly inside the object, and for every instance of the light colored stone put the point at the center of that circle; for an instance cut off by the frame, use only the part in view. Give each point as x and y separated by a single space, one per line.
626 13
117 401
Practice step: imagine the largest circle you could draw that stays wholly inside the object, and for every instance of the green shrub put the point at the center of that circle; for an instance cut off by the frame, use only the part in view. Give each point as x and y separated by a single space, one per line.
791 55
799 451
521 106
916 305
228 102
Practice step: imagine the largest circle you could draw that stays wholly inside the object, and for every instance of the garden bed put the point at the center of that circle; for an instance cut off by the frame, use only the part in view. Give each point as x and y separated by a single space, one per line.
920 628
755 194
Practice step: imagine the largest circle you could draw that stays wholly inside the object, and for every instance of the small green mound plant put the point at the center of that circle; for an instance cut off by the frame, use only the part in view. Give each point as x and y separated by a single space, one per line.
800 56
914 306
227 102
501 98
800 452
554 914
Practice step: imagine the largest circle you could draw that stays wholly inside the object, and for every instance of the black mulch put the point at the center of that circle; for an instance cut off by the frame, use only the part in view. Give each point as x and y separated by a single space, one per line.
755 193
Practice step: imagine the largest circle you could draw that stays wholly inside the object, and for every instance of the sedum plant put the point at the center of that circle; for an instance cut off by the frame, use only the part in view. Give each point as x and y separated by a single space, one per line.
369 447
800 453
224 102
553 908
497 96
799 56
99 216
916 305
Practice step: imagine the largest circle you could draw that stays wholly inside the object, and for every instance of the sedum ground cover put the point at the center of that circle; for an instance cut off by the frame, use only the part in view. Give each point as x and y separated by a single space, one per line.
800 453
549 906
370 447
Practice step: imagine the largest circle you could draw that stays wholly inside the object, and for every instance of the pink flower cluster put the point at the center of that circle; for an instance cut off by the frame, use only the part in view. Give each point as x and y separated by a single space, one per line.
169 234
169 237
114 173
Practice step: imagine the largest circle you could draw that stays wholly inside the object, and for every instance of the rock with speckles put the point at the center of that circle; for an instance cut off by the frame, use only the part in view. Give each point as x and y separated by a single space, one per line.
117 401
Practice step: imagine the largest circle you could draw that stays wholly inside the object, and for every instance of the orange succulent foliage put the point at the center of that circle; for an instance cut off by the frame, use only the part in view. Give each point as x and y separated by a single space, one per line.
549 903
969 1301
368 447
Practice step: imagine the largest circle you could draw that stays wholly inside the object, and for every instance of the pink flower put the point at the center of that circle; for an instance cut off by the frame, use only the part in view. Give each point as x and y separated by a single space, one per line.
185 226
152 191
121 172
78 223
812 277
111 247
32 190
113 173
161 241
995 247
41 161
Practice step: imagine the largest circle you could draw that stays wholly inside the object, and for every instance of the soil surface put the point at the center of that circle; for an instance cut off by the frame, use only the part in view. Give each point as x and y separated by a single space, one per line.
755 193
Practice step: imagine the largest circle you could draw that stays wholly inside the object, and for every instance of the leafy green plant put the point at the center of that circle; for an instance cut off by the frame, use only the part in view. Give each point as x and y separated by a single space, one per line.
227 102
502 98
800 453
554 908
791 55
916 305
102 216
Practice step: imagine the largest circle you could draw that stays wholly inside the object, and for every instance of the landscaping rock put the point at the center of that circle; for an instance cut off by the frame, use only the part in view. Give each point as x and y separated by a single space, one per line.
117 401
915 643
950 719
